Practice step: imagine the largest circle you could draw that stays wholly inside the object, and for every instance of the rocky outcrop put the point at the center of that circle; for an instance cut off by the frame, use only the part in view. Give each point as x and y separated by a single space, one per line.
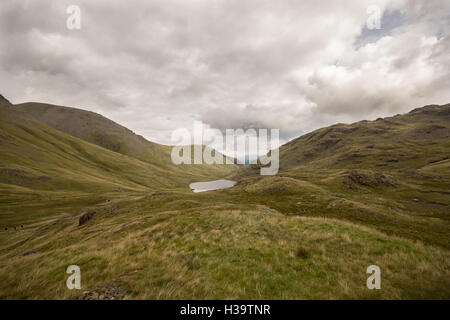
85 217
368 178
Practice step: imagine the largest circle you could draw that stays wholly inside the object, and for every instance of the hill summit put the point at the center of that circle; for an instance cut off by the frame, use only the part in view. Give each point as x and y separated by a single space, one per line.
4 102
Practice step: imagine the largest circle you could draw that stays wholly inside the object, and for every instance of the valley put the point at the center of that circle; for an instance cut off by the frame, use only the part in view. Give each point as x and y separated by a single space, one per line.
345 197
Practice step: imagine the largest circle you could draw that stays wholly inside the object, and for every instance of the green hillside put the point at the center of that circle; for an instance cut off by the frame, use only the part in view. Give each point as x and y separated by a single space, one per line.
346 197
4 102
39 162
410 140
96 129
136 249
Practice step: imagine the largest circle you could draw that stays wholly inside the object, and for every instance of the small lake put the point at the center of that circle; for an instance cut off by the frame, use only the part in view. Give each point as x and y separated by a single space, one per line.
211 185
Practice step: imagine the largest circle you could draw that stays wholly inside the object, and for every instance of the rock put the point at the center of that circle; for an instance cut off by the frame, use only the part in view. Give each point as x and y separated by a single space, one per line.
85 217
35 250
367 178
153 195
108 291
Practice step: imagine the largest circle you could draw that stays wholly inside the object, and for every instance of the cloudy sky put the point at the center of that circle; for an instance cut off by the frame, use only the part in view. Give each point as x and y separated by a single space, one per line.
156 66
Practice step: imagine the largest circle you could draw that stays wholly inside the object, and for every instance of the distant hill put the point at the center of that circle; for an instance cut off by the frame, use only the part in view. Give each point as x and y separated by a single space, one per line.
4 102
95 128
35 156
45 147
410 140
99 130
391 173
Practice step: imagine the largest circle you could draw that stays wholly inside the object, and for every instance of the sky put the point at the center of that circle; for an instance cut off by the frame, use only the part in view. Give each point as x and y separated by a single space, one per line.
157 66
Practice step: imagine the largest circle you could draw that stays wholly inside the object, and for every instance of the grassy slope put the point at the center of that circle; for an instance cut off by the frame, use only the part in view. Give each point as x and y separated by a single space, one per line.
175 246
38 162
4 102
410 151
411 140
96 129
235 243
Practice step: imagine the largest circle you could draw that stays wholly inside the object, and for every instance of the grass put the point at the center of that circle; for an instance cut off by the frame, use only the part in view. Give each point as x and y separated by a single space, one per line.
306 233
301 252
241 252
234 243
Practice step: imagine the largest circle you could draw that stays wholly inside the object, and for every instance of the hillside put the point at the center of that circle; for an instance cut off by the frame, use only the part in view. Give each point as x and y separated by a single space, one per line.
135 249
137 231
392 174
97 129
39 162
4 102
411 140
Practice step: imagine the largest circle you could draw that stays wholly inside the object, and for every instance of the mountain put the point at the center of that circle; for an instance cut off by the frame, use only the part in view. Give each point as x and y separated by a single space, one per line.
391 173
4 102
97 129
77 188
410 140
58 149
36 156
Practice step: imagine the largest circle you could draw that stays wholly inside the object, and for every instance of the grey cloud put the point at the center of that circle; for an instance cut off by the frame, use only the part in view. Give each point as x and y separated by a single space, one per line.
291 65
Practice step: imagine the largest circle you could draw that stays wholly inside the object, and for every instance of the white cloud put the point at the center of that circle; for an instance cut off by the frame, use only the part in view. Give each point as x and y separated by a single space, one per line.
155 66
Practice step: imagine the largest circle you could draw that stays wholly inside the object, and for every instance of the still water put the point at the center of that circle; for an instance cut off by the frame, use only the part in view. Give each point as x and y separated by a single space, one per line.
211 185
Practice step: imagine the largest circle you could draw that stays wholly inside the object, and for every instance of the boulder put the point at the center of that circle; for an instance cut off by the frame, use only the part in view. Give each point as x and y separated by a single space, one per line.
85 217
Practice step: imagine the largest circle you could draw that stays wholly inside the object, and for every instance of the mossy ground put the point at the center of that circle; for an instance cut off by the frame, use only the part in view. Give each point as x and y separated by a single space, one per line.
304 234
228 244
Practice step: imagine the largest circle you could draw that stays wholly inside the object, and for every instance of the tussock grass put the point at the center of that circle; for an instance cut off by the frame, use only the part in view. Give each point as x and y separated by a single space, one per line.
243 252
301 252
304 234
